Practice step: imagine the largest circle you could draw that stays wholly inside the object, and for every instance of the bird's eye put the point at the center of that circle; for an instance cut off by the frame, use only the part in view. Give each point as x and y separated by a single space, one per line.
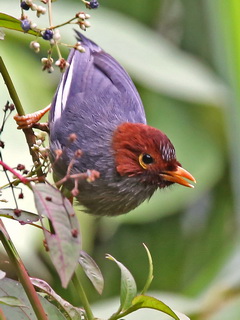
145 159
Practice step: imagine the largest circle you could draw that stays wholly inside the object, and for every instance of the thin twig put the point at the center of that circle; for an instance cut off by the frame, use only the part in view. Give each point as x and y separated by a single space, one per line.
14 172
63 24
50 13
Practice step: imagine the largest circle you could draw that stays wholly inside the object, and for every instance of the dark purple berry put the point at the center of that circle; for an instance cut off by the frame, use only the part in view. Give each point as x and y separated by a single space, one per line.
25 25
47 34
24 5
11 107
20 167
8 106
93 4
21 196
17 212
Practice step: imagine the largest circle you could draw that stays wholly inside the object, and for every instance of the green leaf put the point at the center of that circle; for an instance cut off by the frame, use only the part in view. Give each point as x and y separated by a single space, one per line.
150 273
24 217
223 22
143 301
11 301
128 285
64 245
10 288
166 65
70 312
9 22
92 271
2 35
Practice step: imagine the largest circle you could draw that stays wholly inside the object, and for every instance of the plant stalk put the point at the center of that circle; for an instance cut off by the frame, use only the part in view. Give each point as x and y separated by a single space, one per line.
83 297
11 88
2 316
29 134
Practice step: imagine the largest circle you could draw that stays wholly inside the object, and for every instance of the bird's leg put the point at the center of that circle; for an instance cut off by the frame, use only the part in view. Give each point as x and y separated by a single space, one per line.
31 120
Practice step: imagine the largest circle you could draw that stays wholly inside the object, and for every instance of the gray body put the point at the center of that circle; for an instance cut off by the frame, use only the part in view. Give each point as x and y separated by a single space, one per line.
94 97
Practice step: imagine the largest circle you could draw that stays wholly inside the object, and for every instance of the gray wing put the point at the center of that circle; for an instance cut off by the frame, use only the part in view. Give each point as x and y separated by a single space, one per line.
95 75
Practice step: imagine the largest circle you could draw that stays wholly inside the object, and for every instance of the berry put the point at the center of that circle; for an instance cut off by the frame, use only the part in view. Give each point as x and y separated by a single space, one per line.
21 196
24 5
17 212
47 35
93 4
35 46
25 25
56 35
34 7
20 167
11 107
33 26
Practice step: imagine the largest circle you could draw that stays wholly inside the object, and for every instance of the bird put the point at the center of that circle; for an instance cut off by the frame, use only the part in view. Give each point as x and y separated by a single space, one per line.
97 103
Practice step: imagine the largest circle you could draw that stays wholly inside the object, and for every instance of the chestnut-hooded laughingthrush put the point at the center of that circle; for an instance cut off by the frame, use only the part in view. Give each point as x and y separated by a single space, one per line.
97 102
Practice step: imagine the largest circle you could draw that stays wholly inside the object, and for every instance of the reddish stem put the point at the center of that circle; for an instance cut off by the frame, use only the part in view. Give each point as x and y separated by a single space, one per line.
14 172
2 316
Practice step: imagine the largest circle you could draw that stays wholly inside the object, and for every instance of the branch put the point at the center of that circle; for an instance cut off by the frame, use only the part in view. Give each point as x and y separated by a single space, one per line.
29 134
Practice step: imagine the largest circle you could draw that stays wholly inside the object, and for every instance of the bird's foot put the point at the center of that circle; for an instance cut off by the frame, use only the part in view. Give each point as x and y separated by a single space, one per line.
30 120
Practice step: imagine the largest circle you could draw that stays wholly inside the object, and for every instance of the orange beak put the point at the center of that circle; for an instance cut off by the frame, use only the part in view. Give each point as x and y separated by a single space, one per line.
179 176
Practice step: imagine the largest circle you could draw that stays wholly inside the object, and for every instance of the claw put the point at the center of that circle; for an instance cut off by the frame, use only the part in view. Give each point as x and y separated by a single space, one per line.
28 120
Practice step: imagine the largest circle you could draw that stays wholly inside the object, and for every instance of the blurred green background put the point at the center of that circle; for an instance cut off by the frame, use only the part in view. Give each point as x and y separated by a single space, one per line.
184 58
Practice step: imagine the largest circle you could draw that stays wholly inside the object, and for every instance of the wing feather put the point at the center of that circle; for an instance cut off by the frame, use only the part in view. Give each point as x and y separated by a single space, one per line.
96 73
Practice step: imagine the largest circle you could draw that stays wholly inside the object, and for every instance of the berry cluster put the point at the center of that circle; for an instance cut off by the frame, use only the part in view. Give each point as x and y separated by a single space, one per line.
62 64
28 4
52 34
47 64
39 145
79 47
47 34
82 17
35 46
26 24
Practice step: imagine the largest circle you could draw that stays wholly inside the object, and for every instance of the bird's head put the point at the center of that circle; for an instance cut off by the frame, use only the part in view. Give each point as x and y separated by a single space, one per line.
146 152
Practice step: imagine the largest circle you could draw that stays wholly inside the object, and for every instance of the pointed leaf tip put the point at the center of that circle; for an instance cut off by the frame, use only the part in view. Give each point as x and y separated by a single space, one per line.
128 288
92 271
150 272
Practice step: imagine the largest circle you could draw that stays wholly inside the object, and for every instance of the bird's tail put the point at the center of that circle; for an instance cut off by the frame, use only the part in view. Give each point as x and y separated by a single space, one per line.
87 42
77 78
